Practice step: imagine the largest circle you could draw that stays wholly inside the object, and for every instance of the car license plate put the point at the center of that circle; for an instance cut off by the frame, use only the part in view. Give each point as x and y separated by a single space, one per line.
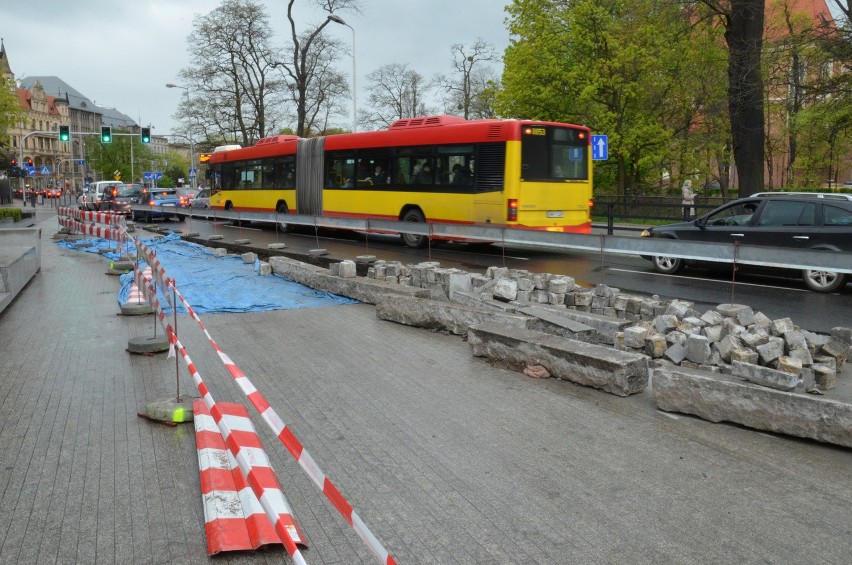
168 204
555 214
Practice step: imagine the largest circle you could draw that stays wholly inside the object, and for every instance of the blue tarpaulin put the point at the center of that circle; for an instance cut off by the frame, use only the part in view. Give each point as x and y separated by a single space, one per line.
219 284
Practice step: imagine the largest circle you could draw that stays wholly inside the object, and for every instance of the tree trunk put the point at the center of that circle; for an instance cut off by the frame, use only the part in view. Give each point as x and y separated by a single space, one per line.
744 35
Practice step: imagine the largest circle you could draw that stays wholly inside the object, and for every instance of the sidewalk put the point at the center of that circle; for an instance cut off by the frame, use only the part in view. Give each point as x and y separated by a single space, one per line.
445 458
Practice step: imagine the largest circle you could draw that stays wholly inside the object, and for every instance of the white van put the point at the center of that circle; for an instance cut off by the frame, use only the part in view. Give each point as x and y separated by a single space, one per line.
91 198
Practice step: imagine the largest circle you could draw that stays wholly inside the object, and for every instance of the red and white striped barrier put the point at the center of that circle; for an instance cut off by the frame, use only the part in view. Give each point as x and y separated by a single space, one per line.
89 229
234 517
109 218
242 456
276 424
135 295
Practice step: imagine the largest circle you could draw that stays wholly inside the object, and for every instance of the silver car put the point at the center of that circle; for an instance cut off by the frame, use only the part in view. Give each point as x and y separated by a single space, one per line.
201 200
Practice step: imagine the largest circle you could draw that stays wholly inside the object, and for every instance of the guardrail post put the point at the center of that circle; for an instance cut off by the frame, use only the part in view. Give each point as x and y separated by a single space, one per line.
610 212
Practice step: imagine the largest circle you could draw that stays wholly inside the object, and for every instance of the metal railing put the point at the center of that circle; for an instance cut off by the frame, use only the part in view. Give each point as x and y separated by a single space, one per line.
651 209
611 244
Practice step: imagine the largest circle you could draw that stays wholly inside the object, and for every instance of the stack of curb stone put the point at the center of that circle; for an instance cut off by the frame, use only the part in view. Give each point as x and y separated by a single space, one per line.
731 338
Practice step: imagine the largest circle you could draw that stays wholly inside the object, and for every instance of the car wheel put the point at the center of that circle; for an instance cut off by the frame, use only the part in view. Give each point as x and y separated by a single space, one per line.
666 265
410 239
823 281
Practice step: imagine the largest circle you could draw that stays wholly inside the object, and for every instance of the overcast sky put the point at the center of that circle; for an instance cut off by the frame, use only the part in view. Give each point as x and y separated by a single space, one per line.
121 53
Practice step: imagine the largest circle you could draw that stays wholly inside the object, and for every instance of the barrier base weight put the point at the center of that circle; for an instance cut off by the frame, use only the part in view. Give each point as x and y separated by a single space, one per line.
148 344
170 410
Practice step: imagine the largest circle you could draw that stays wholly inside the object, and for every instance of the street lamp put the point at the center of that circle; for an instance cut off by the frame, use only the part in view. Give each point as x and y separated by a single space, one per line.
191 144
338 20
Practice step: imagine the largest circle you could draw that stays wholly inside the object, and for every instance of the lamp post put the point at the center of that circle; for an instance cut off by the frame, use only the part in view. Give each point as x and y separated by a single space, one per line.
338 20
191 144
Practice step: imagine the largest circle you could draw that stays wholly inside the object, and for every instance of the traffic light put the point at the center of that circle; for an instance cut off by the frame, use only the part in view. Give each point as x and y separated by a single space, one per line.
64 133
14 162
146 135
106 134
29 161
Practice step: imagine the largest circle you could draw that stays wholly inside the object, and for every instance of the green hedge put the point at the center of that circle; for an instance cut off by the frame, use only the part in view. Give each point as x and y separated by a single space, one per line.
14 213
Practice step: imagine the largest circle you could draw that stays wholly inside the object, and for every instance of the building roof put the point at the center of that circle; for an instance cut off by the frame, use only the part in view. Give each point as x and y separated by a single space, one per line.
57 87
816 11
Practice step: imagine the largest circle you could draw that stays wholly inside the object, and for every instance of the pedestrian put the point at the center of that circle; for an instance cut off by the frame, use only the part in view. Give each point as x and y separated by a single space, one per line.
5 190
688 199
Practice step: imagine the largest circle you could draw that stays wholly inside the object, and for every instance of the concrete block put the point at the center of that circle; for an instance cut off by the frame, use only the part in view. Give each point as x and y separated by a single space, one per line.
787 364
754 337
220 252
655 346
665 323
276 246
769 352
697 349
634 337
744 355
264 269
676 353
713 333
718 398
843 334
825 377
765 376
712 318
249 258
348 269
618 372
781 326
443 316
242 241
505 289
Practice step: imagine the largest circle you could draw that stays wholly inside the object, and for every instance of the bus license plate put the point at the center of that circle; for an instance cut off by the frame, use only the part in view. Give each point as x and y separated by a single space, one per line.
555 214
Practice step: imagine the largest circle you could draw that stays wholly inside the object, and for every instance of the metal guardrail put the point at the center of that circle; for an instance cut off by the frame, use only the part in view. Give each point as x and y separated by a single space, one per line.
617 245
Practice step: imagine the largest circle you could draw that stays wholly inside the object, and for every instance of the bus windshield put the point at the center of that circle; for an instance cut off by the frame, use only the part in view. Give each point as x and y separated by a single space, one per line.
553 153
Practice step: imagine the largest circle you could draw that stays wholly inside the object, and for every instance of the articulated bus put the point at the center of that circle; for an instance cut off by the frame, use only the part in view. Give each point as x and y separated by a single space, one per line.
441 169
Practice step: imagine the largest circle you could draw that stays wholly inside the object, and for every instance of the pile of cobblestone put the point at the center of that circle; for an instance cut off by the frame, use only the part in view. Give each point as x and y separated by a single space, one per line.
731 338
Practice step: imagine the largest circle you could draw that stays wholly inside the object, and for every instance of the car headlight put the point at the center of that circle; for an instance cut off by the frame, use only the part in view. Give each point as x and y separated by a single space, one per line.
645 233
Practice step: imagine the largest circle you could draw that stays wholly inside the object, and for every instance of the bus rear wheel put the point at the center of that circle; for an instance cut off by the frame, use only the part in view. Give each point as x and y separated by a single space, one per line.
229 207
410 239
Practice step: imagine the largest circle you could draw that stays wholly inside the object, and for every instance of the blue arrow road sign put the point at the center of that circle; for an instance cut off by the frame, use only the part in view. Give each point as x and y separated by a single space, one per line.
600 148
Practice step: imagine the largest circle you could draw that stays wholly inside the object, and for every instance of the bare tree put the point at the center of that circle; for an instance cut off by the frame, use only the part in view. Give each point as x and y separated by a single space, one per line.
327 90
233 90
300 70
395 92
469 78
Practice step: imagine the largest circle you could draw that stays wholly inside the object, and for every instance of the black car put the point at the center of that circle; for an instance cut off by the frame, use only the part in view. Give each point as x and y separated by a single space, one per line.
796 220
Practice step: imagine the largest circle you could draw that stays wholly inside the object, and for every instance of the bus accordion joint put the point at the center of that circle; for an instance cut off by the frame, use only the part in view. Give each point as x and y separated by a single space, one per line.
512 212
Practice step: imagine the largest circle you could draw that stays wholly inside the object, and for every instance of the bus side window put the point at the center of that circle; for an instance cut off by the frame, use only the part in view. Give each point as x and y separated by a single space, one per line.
403 170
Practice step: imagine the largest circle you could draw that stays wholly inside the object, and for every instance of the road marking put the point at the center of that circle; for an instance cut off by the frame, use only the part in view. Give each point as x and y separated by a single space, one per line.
241 227
708 280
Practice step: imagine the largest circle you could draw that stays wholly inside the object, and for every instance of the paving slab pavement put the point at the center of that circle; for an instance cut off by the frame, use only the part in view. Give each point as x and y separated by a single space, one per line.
446 458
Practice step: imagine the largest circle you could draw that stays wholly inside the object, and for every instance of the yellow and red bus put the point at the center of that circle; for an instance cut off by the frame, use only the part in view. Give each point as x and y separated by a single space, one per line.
441 169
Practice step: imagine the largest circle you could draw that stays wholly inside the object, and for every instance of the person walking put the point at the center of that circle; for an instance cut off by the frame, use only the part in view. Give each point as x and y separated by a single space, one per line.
5 190
688 199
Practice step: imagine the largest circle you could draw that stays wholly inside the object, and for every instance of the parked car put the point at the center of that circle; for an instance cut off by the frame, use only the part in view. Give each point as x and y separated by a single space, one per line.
202 199
186 195
162 203
796 220
120 199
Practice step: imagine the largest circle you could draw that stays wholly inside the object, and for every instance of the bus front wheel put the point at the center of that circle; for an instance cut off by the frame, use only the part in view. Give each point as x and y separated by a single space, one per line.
410 239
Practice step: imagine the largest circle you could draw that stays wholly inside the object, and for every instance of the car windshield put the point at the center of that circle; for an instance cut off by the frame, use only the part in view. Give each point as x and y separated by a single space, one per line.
163 195
128 190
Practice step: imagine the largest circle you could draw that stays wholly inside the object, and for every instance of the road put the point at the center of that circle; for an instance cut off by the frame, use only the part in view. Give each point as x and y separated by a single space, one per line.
776 297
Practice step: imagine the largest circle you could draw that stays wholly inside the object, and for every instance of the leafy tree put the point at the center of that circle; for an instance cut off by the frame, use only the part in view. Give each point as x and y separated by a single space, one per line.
617 67
233 86
107 158
10 114
395 92
469 79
